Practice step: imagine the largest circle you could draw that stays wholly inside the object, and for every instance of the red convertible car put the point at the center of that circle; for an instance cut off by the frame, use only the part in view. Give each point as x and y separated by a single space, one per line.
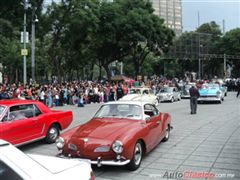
119 134
25 121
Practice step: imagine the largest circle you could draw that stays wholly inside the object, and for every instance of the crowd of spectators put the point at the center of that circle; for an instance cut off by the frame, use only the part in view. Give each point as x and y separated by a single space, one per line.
86 92
69 93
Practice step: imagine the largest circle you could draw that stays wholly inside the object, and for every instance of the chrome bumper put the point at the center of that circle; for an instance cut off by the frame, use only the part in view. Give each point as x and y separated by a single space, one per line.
164 98
99 162
209 99
185 96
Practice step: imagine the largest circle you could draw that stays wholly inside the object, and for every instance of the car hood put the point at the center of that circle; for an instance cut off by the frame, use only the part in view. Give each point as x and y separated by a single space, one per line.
104 128
62 166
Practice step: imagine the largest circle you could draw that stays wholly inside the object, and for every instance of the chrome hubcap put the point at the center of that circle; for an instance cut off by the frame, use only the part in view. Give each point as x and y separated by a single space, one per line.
167 133
138 154
53 134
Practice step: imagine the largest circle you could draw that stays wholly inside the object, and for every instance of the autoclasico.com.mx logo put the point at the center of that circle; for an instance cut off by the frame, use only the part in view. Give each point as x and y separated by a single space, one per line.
192 175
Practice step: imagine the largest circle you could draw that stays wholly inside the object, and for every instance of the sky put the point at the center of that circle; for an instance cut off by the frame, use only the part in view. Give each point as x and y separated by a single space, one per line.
211 10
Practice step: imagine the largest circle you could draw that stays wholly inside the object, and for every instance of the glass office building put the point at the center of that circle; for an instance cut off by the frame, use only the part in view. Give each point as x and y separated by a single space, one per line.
171 12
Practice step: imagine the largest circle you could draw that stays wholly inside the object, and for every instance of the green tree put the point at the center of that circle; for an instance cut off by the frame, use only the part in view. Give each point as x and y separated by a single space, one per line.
130 28
230 44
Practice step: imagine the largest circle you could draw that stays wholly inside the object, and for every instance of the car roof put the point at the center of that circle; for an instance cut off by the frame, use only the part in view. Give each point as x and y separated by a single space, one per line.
140 103
15 102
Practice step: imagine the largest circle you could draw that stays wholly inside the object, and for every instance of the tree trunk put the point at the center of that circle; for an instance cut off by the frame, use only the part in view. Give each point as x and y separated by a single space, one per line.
107 69
100 73
137 68
91 72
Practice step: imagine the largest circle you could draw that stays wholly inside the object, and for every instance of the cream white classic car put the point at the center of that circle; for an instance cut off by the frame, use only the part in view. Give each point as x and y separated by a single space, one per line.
15 165
140 94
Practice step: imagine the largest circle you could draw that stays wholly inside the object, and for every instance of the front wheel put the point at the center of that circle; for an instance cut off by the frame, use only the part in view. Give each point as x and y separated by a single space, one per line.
167 135
52 134
137 157
179 98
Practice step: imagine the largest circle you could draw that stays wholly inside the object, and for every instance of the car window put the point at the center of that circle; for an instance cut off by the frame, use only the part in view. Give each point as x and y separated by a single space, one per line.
135 91
130 111
145 91
1 109
155 110
166 90
23 112
7 173
150 110
37 111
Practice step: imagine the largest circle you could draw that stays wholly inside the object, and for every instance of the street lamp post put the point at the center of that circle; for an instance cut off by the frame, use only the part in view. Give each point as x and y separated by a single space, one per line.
199 59
34 20
24 45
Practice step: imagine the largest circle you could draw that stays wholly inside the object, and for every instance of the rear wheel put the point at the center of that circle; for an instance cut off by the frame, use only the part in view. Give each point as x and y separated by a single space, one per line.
52 134
137 157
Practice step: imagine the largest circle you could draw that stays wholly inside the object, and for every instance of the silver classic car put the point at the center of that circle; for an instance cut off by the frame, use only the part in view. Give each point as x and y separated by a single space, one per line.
169 94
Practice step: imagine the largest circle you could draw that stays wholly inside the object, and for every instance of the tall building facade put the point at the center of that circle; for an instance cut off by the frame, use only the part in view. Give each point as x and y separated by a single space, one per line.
171 12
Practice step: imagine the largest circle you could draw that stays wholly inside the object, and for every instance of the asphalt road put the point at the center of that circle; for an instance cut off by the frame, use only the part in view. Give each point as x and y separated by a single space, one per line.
206 142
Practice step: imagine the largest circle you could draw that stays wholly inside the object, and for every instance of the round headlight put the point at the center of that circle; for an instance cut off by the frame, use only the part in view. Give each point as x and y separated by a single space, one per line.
218 93
117 147
60 143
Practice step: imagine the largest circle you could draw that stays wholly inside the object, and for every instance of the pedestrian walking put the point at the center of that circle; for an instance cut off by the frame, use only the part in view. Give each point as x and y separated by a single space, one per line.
194 95
238 88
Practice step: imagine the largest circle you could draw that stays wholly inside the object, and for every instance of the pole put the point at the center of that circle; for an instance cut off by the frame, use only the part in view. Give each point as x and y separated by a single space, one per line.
198 19
223 26
199 59
225 65
24 45
121 70
33 45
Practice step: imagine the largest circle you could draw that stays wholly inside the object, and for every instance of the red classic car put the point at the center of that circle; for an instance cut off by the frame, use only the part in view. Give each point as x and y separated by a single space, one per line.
24 121
119 134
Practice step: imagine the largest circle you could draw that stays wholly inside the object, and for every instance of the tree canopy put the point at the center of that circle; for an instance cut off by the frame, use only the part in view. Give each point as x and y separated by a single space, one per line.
74 38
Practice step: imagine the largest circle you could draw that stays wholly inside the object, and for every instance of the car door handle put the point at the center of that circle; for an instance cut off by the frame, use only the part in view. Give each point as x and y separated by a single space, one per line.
158 122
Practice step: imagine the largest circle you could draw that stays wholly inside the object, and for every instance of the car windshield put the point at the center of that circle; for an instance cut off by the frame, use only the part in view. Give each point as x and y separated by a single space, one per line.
1 110
130 111
213 86
166 90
